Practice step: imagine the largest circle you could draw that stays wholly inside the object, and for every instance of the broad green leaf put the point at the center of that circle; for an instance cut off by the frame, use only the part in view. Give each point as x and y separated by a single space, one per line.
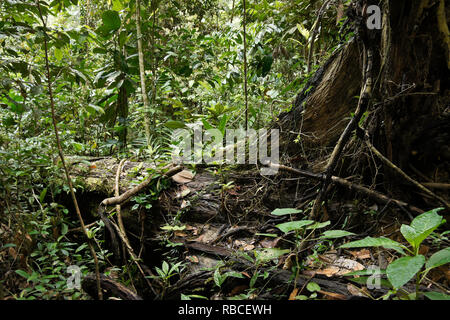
23 274
42 195
58 54
439 259
165 267
285 211
270 254
293 225
303 31
376 242
312 287
185 297
93 109
173 124
111 20
117 5
334 234
234 274
319 225
207 125
64 229
437 296
421 227
218 280
410 234
402 270
366 280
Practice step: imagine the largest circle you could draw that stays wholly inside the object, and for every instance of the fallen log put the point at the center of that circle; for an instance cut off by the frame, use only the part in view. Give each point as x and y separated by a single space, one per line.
110 288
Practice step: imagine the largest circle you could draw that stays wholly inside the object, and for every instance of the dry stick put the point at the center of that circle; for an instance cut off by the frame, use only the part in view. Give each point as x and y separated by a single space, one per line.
117 200
142 72
61 155
133 256
436 185
117 193
125 196
351 186
405 176
315 27
335 156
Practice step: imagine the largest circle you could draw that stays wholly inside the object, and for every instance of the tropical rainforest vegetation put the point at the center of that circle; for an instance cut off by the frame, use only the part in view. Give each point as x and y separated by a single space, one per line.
92 207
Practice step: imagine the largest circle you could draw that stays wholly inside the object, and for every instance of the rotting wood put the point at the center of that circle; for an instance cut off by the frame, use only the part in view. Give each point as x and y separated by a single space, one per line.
111 288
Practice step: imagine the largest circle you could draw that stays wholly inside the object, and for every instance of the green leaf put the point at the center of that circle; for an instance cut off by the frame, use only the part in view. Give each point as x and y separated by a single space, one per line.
8 245
117 5
437 296
93 109
421 227
269 254
402 270
319 225
64 229
439 259
376 242
293 225
165 267
207 125
218 280
271 235
285 211
365 280
312 287
234 274
23 274
334 234
111 20
42 195
58 54
173 124
303 31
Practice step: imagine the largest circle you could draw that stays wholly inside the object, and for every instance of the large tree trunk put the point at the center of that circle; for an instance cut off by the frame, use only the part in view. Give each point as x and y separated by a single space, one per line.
408 115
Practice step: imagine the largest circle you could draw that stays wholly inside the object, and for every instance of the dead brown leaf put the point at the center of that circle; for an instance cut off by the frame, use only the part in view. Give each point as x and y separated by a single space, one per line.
293 294
354 290
182 177
362 254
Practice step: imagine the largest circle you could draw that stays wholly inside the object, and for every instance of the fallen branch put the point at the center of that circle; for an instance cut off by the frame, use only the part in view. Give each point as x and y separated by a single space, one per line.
120 229
351 186
125 196
111 288
405 176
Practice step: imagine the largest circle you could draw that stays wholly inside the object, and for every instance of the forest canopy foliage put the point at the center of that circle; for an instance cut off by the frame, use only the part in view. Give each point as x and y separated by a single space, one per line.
93 80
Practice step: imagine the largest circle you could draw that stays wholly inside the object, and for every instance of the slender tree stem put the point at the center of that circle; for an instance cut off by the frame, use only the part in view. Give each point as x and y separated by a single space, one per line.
245 67
61 154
